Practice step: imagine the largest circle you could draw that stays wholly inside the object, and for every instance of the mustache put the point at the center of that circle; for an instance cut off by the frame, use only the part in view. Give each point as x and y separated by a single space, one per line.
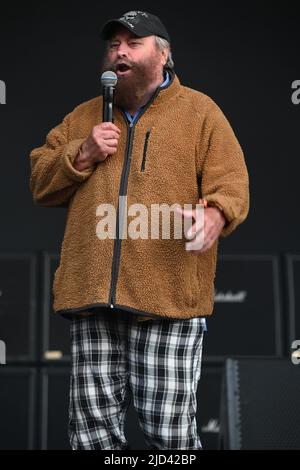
114 66
123 62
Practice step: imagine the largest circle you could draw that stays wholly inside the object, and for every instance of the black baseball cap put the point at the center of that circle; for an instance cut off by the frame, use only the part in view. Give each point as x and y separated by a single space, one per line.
140 23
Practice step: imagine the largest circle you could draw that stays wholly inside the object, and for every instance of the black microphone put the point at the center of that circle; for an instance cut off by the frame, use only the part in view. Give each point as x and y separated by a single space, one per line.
108 80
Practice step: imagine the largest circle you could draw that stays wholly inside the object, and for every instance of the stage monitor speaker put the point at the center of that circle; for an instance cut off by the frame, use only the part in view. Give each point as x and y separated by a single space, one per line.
55 385
293 277
17 408
260 405
247 313
18 292
56 330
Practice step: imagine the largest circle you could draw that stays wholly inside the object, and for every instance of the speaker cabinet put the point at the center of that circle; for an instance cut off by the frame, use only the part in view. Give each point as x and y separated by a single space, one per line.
247 313
293 277
260 405
56 330
55 384
18 292
17 408
208 405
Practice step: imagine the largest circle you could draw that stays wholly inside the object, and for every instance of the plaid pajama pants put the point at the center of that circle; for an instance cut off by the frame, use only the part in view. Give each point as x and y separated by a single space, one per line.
160 360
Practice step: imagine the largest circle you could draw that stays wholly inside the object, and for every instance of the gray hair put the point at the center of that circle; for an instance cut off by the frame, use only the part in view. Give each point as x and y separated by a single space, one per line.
164 44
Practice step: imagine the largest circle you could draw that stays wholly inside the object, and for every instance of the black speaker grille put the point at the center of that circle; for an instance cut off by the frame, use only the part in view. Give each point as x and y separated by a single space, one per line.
263 404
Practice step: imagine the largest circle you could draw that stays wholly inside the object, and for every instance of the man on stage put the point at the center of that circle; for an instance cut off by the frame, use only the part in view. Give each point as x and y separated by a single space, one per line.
138 304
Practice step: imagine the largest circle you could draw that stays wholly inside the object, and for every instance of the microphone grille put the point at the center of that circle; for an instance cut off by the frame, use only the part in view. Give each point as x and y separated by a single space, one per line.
109 78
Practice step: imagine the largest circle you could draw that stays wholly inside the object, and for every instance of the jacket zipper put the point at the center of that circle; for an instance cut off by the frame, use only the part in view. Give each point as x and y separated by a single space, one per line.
123 192
145 150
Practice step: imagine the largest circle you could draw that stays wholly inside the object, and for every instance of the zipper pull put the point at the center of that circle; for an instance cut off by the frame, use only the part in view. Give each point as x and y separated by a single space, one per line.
111 305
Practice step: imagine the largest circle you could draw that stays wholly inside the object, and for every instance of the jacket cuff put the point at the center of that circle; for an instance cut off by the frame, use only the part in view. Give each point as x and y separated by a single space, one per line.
68 157
230 223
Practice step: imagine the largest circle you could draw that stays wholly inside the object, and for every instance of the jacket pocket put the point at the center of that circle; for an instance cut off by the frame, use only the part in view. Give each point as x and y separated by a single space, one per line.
145 150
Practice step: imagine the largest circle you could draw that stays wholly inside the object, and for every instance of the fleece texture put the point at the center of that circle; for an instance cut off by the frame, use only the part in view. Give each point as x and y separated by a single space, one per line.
182 149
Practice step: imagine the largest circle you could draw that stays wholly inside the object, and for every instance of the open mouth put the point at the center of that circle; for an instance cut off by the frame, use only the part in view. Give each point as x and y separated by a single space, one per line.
122 69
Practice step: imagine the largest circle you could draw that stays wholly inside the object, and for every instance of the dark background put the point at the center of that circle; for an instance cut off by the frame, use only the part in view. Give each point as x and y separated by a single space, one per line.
243 55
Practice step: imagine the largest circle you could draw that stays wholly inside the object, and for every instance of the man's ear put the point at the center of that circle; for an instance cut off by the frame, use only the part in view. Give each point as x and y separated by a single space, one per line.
165 54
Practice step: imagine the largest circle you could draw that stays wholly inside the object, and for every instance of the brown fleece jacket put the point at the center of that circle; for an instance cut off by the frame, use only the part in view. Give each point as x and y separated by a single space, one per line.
180 149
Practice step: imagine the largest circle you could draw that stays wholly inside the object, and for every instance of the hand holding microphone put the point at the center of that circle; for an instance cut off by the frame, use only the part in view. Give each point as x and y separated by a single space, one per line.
104 138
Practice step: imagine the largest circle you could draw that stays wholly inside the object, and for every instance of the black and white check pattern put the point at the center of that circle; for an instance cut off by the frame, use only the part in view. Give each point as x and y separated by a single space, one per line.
160 360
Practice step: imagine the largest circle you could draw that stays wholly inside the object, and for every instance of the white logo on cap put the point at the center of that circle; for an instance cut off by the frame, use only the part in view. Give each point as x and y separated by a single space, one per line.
131 16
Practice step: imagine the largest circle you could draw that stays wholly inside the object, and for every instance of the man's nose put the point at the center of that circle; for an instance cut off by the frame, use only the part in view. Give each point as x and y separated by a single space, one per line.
122 51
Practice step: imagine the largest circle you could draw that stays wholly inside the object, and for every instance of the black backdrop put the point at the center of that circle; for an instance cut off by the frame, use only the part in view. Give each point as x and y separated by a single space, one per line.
243 55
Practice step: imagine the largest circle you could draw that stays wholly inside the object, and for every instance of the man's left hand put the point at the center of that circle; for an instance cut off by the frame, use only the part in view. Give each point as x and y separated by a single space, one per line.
214 222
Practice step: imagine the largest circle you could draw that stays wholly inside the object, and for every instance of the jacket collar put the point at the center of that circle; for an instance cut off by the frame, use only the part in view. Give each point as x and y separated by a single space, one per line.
162 95
168 92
